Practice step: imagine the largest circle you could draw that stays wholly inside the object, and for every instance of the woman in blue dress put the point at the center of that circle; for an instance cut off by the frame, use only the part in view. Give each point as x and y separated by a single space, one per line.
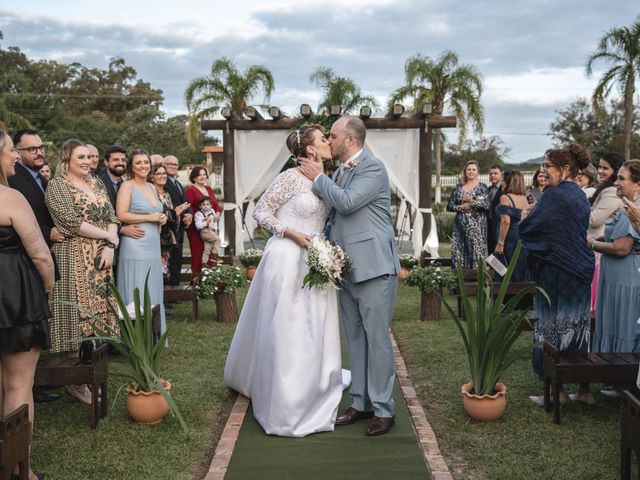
470 201
512 207
138 204
617 305
555 236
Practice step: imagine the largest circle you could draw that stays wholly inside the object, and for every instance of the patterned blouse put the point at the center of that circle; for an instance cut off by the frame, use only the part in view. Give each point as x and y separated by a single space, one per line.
78 259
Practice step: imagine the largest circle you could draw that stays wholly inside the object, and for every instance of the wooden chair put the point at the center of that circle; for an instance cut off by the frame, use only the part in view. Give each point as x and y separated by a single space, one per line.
629 434
570 367
57 371
184 293
15 439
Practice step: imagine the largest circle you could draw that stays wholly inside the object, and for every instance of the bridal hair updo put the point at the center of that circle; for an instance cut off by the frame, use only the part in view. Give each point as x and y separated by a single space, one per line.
299 139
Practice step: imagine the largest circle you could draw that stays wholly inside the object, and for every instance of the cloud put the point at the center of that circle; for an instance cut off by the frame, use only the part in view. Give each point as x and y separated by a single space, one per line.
531 53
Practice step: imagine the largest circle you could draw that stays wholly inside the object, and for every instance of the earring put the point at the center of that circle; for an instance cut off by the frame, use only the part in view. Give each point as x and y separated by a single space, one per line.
562 177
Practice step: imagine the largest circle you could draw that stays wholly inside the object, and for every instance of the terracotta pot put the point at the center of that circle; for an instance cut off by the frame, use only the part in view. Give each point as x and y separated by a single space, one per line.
484 408
147 407
403 273
430 306
226 307
251 271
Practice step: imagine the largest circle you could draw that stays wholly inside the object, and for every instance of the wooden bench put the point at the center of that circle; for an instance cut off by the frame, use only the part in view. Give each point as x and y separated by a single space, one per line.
184 293
629 434
57 371
570 367
15 439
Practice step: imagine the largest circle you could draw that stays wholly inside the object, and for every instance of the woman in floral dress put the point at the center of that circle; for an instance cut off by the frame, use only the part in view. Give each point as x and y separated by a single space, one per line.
81 210
470 201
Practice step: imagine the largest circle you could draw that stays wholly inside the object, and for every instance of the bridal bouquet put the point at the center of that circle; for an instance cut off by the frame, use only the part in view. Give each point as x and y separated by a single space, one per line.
327 263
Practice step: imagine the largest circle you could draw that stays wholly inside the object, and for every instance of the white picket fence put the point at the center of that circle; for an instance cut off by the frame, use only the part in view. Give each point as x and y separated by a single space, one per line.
450 181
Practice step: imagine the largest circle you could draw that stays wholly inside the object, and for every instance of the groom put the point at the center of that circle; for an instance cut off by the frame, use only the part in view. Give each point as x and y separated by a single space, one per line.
360 223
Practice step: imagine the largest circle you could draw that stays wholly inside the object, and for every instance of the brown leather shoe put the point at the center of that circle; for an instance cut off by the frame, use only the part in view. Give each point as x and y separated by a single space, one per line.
351 415
380 425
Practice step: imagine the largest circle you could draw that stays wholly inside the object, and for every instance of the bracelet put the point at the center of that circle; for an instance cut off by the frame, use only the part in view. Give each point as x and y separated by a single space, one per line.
500 242
110 245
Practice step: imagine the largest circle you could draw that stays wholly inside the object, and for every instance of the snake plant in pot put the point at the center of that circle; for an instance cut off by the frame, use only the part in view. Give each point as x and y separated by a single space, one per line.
133 339
489 329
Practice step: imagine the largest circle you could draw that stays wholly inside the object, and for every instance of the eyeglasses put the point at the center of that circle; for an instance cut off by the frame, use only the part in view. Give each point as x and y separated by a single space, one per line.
32 150
546 165
170 164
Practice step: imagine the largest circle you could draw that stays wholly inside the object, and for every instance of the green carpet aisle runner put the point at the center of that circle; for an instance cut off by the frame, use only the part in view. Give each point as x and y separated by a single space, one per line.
344 454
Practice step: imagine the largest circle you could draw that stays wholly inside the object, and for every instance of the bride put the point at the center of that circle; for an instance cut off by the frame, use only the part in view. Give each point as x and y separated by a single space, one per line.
285 354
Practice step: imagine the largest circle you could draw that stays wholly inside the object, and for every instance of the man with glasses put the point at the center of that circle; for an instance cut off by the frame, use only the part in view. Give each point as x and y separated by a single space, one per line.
28 181
31 183
176 192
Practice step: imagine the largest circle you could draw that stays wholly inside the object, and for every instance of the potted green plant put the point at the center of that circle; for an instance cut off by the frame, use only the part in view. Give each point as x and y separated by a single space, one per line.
489 329
250 260
407 262
148 396
221 283
431 281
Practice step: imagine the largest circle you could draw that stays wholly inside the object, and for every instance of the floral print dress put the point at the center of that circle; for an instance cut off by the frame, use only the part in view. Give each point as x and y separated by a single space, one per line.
78 258
470 226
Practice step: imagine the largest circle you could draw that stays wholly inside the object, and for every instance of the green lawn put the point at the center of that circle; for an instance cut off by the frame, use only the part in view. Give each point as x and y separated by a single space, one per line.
524 444
66 449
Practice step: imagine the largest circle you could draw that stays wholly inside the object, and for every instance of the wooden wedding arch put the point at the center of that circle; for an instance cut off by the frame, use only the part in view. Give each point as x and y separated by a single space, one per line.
425 121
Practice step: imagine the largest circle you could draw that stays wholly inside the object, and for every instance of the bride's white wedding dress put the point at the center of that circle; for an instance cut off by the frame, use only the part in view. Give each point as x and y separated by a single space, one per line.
285 354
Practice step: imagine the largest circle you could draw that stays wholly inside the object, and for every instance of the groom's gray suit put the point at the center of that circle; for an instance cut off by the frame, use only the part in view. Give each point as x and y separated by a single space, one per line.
360 222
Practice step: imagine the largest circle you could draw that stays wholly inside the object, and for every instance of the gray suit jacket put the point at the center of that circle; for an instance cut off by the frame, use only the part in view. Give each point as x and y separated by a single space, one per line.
360 218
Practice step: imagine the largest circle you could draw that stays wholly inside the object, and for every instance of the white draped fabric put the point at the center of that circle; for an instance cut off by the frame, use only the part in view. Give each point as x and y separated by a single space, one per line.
399 150
260 155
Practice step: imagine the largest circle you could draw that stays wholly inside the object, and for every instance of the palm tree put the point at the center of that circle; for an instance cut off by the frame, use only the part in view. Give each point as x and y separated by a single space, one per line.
224 86
339 91
443 82
620 48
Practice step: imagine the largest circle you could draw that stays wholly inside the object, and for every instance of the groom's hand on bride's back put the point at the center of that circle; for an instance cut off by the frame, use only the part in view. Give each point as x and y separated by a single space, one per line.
310 168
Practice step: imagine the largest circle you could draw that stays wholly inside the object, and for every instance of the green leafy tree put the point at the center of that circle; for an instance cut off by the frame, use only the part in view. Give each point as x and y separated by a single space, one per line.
603 132
148 128
620 49
224 86
339 91
487 151
443 83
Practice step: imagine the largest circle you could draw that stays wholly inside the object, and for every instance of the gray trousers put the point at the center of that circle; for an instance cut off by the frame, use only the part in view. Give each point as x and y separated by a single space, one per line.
366 309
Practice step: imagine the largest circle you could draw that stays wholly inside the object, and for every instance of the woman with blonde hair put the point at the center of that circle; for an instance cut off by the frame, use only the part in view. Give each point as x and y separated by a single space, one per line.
470 201
81 210
27 267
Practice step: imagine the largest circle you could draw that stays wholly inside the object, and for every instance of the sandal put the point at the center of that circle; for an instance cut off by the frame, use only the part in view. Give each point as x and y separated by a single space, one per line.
80 392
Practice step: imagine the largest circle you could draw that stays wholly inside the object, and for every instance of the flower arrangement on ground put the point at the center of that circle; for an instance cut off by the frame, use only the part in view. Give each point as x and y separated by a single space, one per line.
327 264
433 278
251 257
220 279
407 261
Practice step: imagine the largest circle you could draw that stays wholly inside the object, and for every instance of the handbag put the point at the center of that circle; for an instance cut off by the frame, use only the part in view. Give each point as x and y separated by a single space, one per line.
87 348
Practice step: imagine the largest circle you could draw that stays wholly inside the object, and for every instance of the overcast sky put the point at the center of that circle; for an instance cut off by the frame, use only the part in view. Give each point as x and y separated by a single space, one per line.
531 53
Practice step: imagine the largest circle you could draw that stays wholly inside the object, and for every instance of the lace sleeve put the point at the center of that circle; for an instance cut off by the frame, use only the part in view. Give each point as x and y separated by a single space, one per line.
275 196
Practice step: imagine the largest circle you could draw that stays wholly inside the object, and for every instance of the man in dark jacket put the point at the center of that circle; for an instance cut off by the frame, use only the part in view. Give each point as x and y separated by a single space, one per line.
175 190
